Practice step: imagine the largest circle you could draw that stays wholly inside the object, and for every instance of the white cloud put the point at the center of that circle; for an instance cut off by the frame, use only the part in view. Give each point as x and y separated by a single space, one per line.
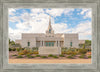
60 27
11 10
14 19
37 10
68 11
83 29
87 12
57 12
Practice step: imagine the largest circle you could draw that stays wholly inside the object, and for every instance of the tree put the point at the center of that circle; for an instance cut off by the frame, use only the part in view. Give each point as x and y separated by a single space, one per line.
83 46
11 42
87 42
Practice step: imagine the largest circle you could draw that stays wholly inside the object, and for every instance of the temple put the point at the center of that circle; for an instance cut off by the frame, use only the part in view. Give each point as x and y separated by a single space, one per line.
49 42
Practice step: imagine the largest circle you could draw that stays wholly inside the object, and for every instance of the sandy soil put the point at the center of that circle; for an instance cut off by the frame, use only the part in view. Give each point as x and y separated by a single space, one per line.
50 61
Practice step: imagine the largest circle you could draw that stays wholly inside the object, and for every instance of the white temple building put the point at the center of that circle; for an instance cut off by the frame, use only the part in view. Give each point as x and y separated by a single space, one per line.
49 41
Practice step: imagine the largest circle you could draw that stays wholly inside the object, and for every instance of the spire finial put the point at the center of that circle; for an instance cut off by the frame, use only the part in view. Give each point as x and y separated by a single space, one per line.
49 20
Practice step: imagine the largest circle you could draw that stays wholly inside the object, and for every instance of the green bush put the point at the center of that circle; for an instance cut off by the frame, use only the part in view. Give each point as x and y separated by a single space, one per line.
63 52
71 57
37 55
88 49
19 56
55 57
89 56
50 55
23 52
18 49
29 56
82 56
82 51
43 56
13 49
14 55
71 53
10 49
35 52
22 48
61 55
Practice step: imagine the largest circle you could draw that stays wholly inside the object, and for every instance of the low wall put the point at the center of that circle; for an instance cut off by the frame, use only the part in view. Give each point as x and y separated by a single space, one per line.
49 50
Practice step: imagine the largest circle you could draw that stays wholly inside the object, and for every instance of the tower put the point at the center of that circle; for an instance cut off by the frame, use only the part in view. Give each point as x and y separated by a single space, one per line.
50 31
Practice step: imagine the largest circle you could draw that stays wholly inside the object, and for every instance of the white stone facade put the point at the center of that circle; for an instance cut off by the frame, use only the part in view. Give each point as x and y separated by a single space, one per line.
39 40
49 40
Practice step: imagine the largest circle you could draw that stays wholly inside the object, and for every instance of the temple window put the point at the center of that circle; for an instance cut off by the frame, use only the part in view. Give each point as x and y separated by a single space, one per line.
49 30
71 44
28 43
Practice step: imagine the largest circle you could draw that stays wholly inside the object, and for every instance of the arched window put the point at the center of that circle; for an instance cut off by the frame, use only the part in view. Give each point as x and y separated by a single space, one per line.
49 30
28 43
71 44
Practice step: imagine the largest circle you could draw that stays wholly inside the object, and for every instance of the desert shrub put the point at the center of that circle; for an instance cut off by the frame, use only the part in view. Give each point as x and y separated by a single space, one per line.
25 51
61 55
20 53
13 49
88 49
50 55
43 56
30 53
29 56
74 53
10 49
63 52
82 51
19 56
22 48
18 49
35 52
76 50
82 56
55 57
71 53
37 55
14 55
71 57
89 56
35 48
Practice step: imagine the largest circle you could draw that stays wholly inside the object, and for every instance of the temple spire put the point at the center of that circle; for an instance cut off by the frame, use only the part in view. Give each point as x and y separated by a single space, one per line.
49 30
50 23
49 20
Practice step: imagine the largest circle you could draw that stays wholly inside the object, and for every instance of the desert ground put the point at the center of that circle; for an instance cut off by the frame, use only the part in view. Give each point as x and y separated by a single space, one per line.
50 61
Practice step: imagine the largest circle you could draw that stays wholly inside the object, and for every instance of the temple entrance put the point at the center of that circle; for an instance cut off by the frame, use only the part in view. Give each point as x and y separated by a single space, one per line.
49 43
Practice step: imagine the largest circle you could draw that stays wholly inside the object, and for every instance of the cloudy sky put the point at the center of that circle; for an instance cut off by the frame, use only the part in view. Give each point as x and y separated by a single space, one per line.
63 20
